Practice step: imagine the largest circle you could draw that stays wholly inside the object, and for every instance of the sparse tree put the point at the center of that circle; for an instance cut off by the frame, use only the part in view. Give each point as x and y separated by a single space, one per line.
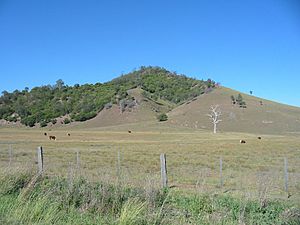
232 99
162 117
214 115
240 101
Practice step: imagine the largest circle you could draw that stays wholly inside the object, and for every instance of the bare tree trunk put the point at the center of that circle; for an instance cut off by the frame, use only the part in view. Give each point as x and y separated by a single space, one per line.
214 115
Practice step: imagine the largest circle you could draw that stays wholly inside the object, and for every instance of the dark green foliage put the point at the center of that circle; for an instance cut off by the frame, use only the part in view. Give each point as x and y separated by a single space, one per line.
67 121
29 121
43 123
240 101
13 184
83 102
83 116
11 119
161 83
162 117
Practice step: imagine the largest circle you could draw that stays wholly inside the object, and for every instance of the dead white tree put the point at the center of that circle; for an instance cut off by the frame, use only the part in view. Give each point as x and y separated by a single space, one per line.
214 115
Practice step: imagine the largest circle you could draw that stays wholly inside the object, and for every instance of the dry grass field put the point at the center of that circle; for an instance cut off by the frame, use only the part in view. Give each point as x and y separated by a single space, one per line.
193 157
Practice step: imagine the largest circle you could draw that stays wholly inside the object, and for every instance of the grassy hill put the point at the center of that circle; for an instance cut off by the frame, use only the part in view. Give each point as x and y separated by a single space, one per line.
134 100
260 116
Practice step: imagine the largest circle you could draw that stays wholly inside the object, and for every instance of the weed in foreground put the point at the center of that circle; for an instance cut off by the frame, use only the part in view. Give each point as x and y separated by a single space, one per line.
26 199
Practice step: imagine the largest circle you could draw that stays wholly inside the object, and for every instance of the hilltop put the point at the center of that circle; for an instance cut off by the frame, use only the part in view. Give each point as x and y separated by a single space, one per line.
46 105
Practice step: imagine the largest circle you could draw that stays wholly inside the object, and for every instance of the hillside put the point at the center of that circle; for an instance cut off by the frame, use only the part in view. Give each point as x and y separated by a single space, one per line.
136 99
260 116
144 110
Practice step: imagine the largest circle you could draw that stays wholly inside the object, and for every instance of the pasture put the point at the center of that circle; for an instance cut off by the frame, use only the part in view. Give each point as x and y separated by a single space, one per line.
255 168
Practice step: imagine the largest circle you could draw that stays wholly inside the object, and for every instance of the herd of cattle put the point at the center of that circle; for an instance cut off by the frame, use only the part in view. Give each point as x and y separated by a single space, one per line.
244 142
52 137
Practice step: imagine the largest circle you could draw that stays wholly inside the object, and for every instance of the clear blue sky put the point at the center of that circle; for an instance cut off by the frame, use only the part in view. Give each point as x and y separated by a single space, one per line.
244 45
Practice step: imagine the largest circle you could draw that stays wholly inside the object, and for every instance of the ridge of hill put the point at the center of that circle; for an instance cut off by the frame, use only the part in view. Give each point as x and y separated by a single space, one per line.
47 105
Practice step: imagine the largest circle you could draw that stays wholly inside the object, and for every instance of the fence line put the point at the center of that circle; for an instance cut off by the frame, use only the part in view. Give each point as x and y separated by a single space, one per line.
223 180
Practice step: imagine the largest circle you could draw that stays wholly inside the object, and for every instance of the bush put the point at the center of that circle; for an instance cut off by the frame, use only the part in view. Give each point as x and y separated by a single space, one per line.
12 119
67 121
29 121
240 101
162 117
84 116
43 123
53 121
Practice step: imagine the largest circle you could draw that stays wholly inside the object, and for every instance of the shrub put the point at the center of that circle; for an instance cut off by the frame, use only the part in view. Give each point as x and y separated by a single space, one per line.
162 117
43 123
241 101
84 116
67 121
12 119
29 121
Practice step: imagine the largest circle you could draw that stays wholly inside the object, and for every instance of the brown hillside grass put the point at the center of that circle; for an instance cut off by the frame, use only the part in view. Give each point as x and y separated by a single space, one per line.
268 118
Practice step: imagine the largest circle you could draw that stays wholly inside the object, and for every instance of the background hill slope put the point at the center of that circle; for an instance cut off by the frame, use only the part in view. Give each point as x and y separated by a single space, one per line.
259 116
137 98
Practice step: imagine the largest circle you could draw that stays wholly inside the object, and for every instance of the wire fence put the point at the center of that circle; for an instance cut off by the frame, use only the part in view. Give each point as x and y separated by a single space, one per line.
183 170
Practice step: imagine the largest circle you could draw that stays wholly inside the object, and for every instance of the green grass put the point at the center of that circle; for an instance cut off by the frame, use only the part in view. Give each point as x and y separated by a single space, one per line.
27 199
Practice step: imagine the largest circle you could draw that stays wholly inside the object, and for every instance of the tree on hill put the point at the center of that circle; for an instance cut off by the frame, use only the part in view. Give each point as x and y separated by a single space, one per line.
240 101
162 117
233 101
214 115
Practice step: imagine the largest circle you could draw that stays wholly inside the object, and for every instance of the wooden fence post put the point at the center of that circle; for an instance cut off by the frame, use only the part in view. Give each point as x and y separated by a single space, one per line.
40 158
221 172
286 175
163 170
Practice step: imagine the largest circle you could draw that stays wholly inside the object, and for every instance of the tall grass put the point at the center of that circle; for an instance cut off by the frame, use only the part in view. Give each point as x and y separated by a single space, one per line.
27 199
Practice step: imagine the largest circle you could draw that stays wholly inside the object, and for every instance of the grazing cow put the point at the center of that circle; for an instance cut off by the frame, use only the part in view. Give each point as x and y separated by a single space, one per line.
45 134
259 138
242 141
129 131
52 137
69 134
